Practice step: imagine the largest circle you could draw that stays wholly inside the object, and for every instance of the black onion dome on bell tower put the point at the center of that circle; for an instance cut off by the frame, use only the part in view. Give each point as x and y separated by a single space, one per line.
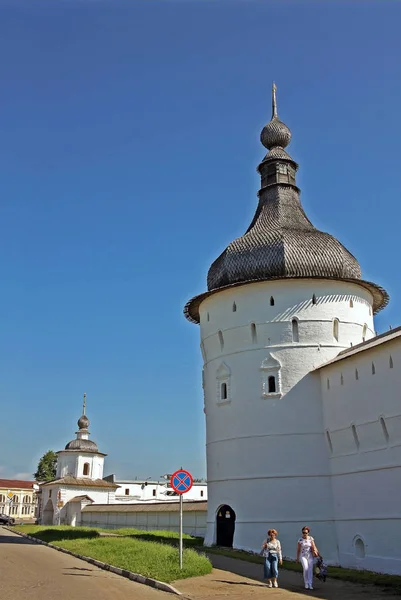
281 242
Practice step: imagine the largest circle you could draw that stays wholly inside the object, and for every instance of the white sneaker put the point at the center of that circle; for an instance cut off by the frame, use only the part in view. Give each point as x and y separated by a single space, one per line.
269 584
307 587
275 584
311 587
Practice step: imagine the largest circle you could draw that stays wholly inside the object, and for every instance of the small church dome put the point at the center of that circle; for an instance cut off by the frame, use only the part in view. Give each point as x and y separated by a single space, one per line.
82 444
83 422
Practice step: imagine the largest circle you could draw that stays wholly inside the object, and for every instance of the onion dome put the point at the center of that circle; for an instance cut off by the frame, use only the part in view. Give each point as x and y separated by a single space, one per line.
281 242
83 422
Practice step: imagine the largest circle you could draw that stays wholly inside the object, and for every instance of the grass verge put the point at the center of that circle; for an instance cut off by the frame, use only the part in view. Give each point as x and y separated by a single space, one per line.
149 557
392 582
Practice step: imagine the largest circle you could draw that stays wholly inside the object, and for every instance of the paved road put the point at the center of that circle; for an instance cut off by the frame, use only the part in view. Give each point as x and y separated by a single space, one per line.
32 571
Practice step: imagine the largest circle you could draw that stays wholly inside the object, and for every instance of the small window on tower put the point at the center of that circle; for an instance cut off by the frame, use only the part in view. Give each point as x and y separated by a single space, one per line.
154 493
86 469
295 332
313 299
253 333
282 169
221 340
201 493
127 491
271 301
272 384
234 307
223 391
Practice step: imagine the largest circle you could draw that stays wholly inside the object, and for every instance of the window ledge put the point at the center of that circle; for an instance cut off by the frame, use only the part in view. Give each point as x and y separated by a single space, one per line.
272 396
223 402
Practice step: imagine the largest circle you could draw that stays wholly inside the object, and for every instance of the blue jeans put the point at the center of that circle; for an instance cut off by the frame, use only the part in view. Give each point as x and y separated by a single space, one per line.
271 566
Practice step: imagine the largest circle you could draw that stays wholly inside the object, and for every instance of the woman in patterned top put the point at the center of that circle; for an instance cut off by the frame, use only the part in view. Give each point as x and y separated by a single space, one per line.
307 550
271 549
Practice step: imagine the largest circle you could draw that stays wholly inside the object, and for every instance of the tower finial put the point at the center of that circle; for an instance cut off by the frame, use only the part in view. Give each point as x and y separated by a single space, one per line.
84 406
274 101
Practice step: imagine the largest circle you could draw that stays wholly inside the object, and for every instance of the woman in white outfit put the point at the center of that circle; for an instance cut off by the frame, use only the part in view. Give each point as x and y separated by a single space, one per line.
306 550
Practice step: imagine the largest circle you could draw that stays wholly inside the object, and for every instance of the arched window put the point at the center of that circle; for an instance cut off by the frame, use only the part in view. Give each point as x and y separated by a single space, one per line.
253 333
359 548
86 469
234 307
223 391
391 362
221 340
271 384
373 368
2 498
356 374
351 303
295 332
364 331
313 299
271 301
355 436
384 429
335 329
329 442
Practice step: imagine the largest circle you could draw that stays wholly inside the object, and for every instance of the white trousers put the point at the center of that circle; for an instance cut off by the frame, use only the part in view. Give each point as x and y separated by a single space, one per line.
307 566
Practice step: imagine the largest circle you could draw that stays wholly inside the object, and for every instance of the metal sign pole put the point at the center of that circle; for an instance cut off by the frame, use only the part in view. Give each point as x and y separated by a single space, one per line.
181 502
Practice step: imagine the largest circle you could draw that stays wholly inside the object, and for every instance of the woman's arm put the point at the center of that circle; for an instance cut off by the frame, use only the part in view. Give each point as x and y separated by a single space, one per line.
264 544
280 554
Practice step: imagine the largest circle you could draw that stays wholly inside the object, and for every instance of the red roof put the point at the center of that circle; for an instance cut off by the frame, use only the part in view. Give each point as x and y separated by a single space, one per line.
16 483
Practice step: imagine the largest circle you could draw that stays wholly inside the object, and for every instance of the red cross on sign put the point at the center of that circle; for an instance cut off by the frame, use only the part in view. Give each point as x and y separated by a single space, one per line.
181 481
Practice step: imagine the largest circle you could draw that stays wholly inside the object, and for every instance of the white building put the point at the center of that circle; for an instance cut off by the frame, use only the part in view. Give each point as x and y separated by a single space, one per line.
79 480
302 408
147 490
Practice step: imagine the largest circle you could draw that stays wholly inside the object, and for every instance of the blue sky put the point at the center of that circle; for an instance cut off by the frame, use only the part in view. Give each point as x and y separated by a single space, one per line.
129 139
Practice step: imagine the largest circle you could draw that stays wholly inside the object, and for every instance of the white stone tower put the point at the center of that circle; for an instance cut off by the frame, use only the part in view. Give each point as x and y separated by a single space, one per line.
282 299
81 457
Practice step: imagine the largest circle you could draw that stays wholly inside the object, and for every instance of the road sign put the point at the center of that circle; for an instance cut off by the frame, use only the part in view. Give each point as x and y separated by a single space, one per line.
181 481
10 495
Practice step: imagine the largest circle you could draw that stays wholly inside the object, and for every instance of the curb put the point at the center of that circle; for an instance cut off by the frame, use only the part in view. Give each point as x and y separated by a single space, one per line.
159 585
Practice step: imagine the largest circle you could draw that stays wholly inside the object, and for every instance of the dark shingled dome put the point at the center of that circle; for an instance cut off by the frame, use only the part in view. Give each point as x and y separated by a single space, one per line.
281 242
80 444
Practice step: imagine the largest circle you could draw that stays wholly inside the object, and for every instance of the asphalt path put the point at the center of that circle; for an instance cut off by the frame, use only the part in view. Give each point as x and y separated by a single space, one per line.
33 571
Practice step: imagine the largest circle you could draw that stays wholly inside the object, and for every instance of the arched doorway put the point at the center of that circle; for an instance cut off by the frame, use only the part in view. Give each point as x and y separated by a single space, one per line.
225 526
48 513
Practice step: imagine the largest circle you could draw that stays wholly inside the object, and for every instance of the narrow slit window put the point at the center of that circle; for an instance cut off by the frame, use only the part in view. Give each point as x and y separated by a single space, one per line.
127 491
364 331
355 436
328 384
373 368
295 331
271 301
223 391
384 429
314 299
351 303
271 382
86 469
335 329
201 493
356 374
391 365
208 317
329 442
254 334
342 379
234 307
221 340
154 493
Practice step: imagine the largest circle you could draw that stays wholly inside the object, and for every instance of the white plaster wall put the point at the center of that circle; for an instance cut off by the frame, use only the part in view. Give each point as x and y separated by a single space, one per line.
267 456
72 463
366 476
194 522
138 491
98 495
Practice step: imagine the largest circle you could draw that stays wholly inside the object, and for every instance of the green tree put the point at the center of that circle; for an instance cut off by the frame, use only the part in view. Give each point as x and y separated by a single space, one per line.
46 470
